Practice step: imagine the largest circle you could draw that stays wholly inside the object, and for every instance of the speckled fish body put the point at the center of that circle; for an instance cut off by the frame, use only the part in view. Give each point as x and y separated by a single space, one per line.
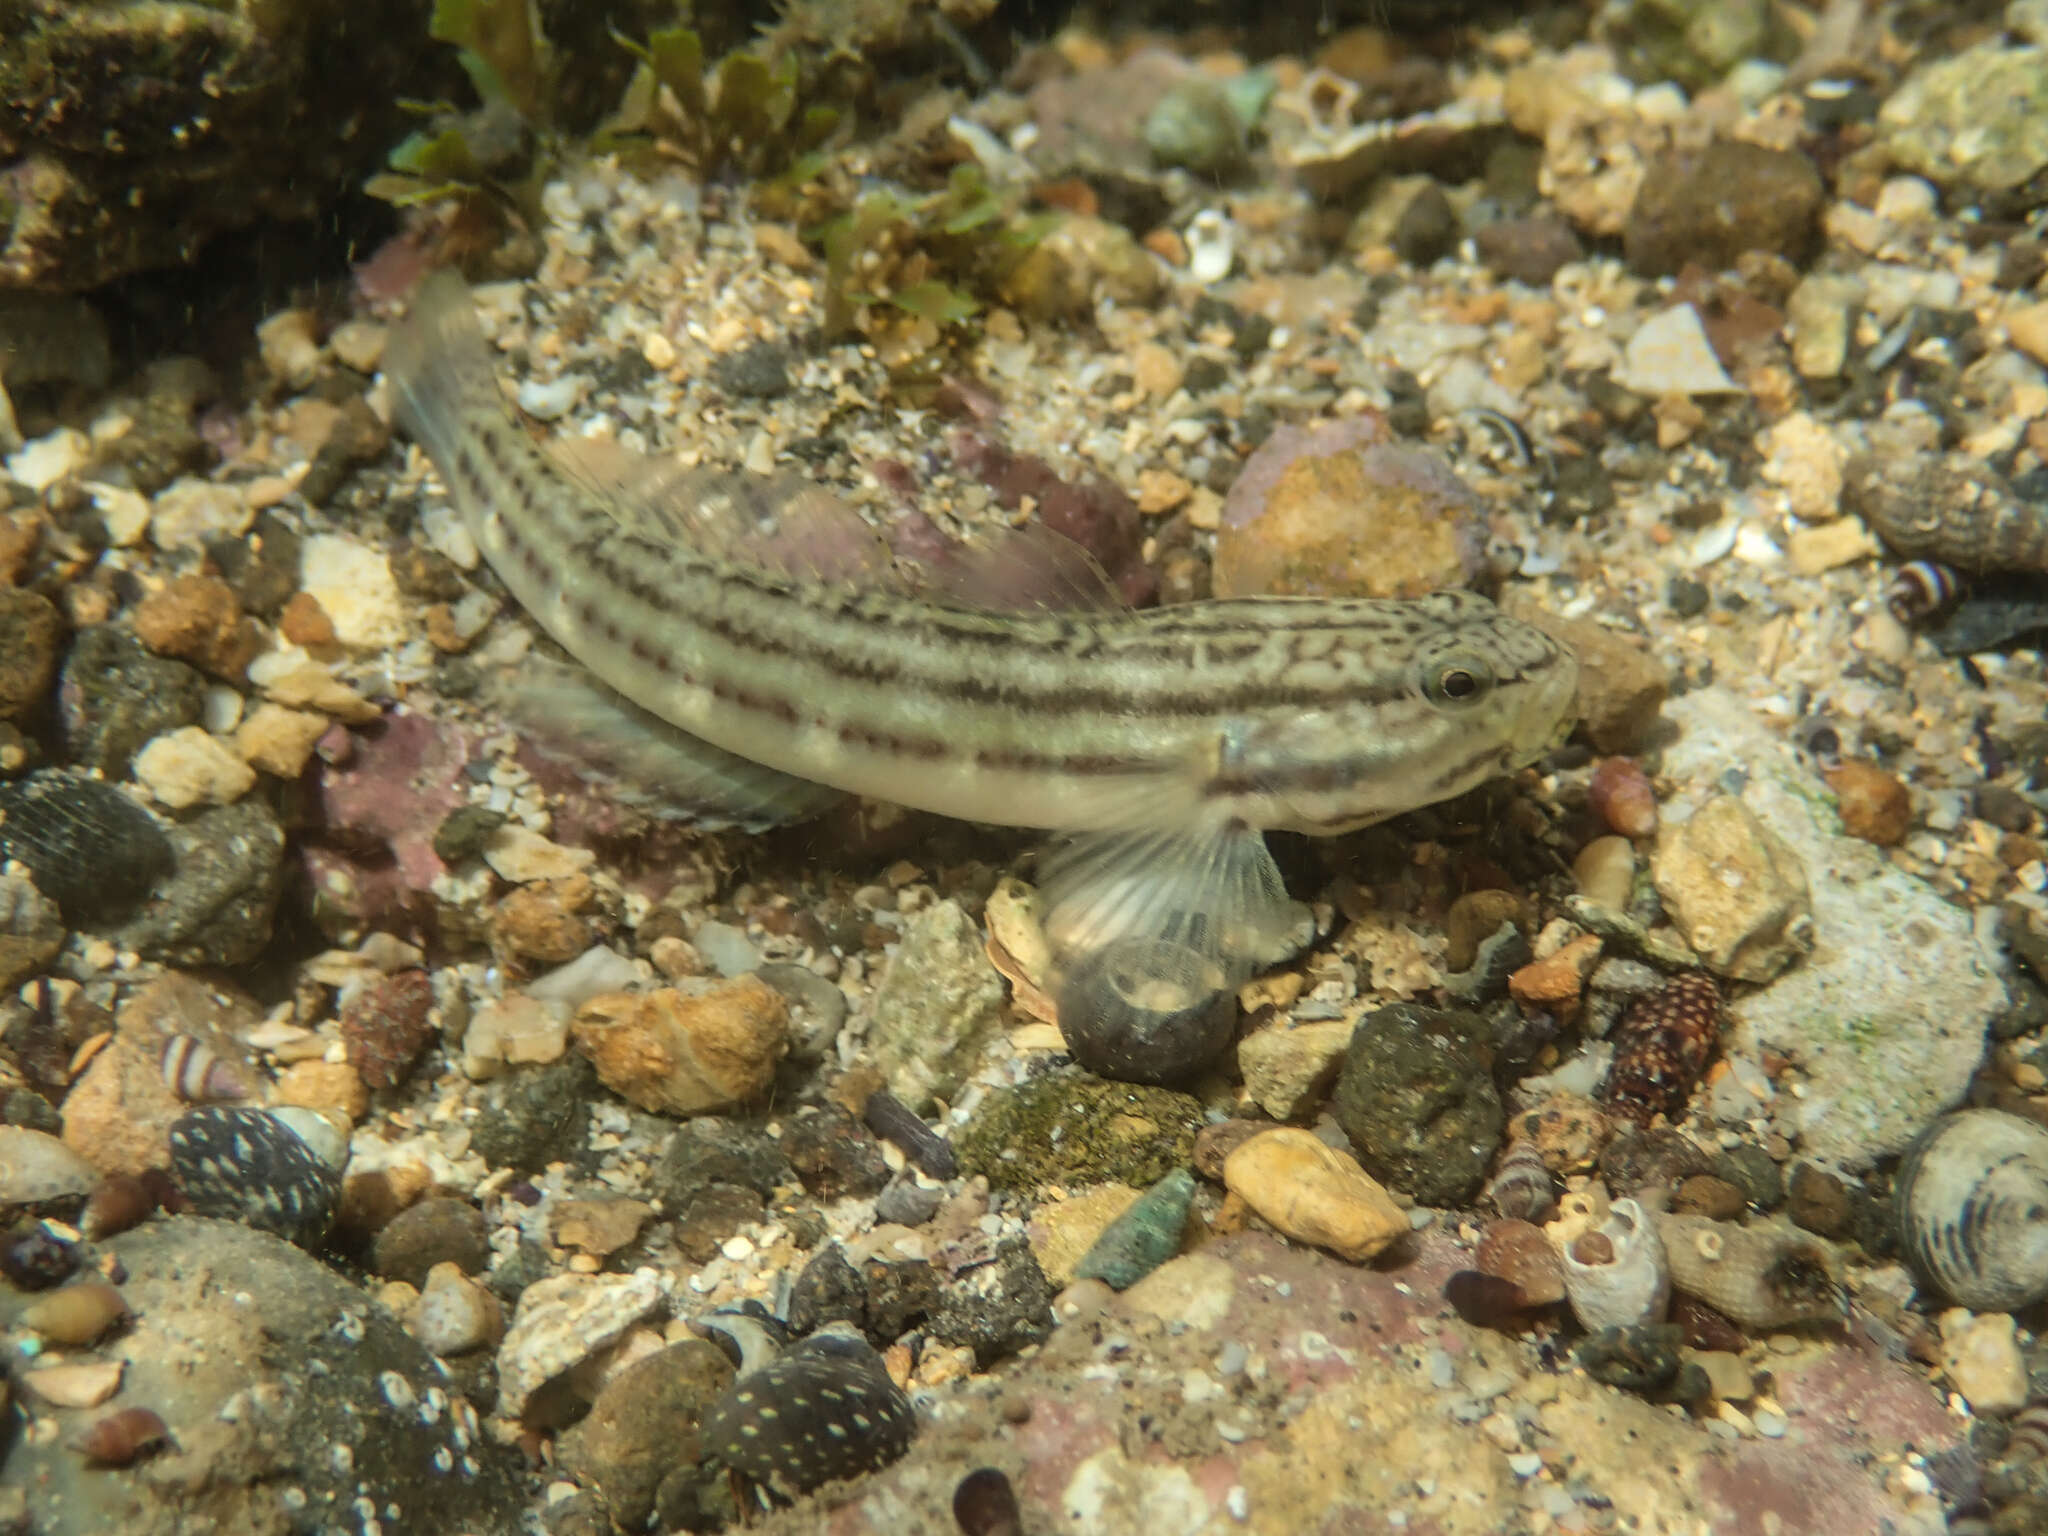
1173 733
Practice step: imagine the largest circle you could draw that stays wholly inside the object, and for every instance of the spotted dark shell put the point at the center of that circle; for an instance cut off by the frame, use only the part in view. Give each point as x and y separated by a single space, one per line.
88 847
248 1165
826 1409
1661 1046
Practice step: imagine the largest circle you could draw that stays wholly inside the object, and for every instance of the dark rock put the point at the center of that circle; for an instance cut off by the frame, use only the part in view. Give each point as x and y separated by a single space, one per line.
1070 1128
438 1230
997 1308
216 907
115 696
30 1110
1750 1169
162 440
262 566
1655 1161
1688 598
1529 250
88 846
829 1290
644 1425
385 1026
1709 207
426 575
1644 1360
226 1316
534 1117
710 1150
33 1258
30 631
883 1298
358 437
1427 229
1416 1096
756 372
904 1203
465 831
834 1155
1820 1201
713 1214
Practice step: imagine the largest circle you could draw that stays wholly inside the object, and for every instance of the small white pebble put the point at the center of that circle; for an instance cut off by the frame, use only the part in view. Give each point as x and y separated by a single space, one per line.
1769 1423
1238 1502
1525 1464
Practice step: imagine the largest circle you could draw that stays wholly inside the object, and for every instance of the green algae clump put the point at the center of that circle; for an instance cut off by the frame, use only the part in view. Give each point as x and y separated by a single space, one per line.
1073 1129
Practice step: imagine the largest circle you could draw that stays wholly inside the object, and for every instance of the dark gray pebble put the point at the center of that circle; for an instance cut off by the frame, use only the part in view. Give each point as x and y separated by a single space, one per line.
438 1230
1416 1097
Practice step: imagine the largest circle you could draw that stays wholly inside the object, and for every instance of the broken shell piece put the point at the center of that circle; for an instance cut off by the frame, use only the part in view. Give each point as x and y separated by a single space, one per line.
1770 1275
1616 1274
1212 246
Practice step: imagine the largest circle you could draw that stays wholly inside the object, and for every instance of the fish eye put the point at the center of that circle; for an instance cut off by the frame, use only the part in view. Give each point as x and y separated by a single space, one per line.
1458 682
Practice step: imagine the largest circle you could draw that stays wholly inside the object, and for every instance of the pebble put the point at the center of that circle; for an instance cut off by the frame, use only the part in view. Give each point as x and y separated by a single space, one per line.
535 1117
190 766
541 922
679 1055
758 371
834 1155
1556 981
908 1204
187 513
83 1384
1819 1201
198 619
1287 1068
1980 1355
1293 517
1620 794
31 632
386 1023
1143 1237
1417 1103
453 1314
327 1085
1605 872
520 855
1736 890
1875 806
354 587
937 1005
1710 207
1314 1193
1975 121
436 1230
1622 688
1669 354
113 696
31 931
1529 250
1069 1128
564 1320
279 741
728 949
599 1227
642 1427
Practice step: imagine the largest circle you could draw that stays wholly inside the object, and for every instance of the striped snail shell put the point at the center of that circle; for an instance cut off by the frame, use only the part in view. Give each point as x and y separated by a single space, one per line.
1947 507
1971 1201
1922 589
1616 1275
1521 1187
196 1074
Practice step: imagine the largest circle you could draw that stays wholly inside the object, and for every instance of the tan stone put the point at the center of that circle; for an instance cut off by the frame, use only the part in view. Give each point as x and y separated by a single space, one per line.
1287 1068
1621 686
1062 1231
279 741
1314 1193
679 1055
598 1226
1735 889
331 1085
2028 328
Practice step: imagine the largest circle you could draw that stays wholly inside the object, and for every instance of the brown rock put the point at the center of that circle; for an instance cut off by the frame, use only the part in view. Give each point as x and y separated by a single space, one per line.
1529 250
1875 805
19 536
1214 1144
30 631
332 1085
643 1427
304 622
370 1200
1555 981
1476 917
1735 889
539 923
1708 207
1621 686
598 1226
680 1055
438 1230
386 1025
1336 510
198 619
118 1115
1705 1195
1310 1191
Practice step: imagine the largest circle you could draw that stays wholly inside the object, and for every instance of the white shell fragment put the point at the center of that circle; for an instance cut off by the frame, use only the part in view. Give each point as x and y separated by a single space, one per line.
1670 355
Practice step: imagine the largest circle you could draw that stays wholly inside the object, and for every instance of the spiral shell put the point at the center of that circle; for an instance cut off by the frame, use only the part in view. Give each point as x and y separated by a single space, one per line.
279 1170
1921 589
1661 1047
122 1437
1615 1274
77 1314
195 1072
822 1409
1769 1275
1948 508
1971 1201
1521 1188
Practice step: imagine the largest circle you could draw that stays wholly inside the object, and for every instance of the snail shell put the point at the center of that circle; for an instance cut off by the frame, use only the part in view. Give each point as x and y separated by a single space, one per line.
1971 1201
1143 1010
1521 1187
120 1438
1769 1275
195 1072
1950 508
1922 589
1615 1274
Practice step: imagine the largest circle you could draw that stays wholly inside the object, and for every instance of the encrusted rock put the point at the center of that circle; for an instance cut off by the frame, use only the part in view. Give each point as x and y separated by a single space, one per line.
680 1055
1736 890
1416 1097
561 1322
935 1007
